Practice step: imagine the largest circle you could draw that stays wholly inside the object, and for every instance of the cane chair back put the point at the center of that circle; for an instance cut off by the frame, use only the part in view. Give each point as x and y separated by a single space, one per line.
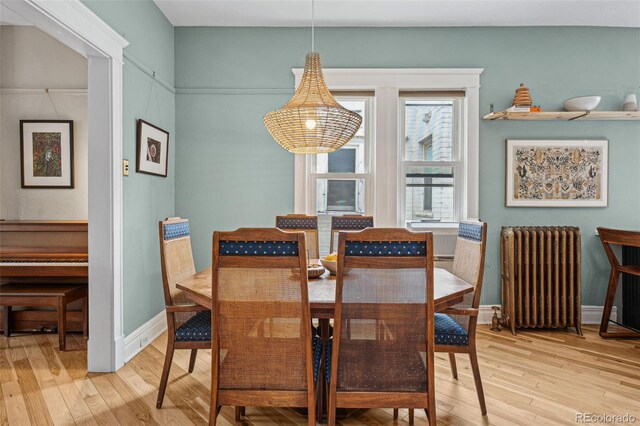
383 330
468 264
348 223
261 320
306 224
177 264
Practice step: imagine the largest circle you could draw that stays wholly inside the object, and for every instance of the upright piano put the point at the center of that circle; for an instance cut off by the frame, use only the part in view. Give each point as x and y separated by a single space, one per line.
44 252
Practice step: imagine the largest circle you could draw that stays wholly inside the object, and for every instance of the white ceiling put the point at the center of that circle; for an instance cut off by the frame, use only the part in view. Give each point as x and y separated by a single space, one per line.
402 13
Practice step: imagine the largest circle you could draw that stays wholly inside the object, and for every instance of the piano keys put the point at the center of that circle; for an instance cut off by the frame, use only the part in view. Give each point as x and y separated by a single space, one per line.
44 251
33 252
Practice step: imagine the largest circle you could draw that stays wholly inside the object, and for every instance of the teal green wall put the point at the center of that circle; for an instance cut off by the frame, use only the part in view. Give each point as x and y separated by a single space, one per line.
232 174
146 199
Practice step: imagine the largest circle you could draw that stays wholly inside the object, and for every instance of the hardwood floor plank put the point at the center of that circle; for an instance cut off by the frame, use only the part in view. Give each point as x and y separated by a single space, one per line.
33 398
537 377
14 402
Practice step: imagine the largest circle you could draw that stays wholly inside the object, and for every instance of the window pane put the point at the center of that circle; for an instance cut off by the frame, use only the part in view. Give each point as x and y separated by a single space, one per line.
429 194
340 196
428 129
351 158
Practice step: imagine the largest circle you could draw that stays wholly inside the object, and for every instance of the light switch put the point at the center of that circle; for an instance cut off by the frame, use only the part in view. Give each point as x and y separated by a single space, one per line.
125 167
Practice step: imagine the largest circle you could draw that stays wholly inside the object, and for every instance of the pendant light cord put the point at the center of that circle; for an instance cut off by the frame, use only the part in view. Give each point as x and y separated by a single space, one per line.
313 22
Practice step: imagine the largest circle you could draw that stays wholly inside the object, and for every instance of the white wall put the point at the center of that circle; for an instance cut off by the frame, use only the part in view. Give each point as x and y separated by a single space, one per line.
31 59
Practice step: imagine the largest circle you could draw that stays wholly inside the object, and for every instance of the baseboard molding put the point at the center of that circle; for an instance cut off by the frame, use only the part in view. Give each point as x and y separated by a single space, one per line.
143 335
591 314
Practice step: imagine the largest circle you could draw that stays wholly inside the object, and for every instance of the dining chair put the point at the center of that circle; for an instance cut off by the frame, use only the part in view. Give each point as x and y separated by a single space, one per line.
188 325
382 350
348 223
455 328
263 351
623 238
306 224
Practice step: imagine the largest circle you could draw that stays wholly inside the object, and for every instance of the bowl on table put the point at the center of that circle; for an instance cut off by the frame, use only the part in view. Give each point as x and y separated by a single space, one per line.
583 103
331 265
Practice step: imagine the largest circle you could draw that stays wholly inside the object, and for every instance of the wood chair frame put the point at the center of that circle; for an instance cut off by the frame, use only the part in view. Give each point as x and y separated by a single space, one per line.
624 238
171 310
470 349
425 400
338 229
260 397
305 230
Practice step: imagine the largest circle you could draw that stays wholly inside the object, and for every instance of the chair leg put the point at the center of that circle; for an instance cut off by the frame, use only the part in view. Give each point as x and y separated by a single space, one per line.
7 321
331 411
243 410
395 413
411 414
192 360
168 358
608 302
85 317
62 323
473 357
238 413
454 368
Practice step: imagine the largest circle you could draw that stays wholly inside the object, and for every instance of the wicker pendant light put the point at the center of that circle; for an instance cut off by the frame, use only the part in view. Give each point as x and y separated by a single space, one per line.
312 122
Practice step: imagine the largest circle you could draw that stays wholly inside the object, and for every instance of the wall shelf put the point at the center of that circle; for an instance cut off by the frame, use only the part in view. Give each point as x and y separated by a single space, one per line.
563 115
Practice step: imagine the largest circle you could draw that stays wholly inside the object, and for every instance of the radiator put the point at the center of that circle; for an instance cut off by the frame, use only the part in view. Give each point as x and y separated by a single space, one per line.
540 273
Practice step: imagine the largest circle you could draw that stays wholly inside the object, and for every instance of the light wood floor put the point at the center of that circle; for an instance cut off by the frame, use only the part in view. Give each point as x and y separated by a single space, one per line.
541 377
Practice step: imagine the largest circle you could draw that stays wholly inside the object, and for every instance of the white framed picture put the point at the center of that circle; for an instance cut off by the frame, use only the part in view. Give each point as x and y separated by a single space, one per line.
46 153
153 149
556 173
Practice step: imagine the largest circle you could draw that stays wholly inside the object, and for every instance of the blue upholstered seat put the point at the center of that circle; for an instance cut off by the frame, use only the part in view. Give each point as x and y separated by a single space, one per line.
196 329
449 332
317 357
327 358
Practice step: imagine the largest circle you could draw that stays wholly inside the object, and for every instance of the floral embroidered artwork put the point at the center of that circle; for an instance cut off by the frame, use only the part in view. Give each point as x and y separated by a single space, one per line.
557 173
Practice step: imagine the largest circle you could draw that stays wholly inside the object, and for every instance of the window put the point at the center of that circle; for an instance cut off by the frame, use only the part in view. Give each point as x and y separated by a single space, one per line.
339 180
414 161
432 163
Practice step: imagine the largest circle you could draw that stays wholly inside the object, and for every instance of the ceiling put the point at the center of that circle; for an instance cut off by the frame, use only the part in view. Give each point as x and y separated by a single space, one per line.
402 13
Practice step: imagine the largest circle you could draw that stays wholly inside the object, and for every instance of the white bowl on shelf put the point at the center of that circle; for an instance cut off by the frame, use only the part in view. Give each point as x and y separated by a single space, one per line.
582 103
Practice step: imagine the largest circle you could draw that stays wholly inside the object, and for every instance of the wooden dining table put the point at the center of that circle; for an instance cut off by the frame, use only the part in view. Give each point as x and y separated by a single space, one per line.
448 291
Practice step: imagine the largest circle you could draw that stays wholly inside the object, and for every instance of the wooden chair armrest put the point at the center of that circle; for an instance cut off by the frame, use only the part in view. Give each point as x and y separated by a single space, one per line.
186 308
467 311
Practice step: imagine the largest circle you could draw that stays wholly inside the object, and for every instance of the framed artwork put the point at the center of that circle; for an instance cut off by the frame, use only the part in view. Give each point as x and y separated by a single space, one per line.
557 173
46 153
153 149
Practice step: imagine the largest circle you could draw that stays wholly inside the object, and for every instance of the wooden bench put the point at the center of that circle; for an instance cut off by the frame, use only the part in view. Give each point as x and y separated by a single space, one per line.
54 295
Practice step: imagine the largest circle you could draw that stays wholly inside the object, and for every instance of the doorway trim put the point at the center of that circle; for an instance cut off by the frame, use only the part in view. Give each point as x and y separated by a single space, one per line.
76 26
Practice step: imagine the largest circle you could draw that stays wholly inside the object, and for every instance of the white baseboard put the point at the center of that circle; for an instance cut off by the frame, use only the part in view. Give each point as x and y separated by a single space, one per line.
143 335
591 314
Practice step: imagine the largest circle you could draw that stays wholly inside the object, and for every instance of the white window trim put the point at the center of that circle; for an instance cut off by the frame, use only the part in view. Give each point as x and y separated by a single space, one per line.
387 83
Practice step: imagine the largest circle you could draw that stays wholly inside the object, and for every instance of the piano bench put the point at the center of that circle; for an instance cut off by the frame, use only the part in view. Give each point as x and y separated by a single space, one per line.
54 295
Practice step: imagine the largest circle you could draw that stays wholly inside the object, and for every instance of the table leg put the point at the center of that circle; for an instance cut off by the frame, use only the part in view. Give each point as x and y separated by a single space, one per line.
62 323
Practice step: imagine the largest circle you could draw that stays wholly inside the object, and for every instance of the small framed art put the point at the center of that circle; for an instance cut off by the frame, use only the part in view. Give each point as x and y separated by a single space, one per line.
46 153
556 173
153 149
